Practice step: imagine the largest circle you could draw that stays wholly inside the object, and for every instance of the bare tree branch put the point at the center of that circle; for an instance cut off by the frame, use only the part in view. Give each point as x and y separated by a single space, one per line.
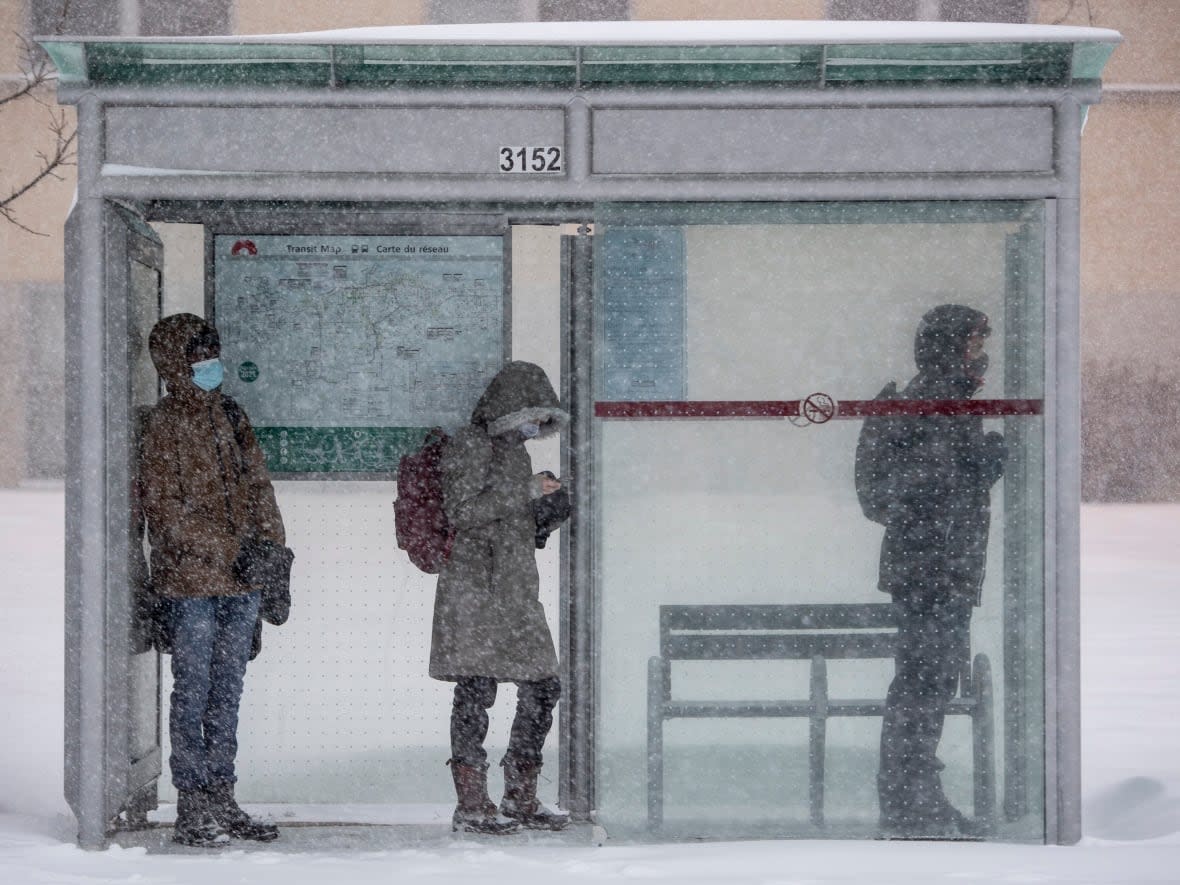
36 73
62 155
34 69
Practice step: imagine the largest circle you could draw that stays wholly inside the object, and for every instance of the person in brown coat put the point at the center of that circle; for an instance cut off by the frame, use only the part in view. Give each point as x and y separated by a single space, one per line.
489 625
207 499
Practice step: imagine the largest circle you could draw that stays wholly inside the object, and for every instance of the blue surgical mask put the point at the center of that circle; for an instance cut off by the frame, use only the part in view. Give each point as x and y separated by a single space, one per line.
208 374
529 430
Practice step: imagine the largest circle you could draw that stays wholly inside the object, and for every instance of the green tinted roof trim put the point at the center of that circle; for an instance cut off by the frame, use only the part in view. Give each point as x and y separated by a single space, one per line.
987 63
693 64
564 55
167 63
1089 59
213 52
385 64
258 63
69 59
910 52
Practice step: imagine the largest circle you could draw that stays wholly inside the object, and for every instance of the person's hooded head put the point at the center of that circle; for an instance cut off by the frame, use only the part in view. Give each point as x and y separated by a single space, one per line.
180 342
948 347
520 399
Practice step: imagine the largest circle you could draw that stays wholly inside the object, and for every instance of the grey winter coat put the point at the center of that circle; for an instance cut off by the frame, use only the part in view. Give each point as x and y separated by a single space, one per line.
488 619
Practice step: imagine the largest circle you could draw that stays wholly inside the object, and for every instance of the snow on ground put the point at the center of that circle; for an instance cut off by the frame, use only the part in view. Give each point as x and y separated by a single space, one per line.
1131 768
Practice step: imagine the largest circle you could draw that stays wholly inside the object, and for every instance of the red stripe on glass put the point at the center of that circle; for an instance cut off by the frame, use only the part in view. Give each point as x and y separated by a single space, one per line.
987 408
698 409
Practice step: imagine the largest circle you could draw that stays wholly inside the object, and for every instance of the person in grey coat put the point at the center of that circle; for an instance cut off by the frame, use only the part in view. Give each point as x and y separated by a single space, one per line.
489 625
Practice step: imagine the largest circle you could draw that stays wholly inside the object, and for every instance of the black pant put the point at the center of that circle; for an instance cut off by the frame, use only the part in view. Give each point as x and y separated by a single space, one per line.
933 645
469 718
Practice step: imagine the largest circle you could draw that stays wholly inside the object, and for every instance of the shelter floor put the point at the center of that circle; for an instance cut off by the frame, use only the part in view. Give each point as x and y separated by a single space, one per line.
335 829
315 829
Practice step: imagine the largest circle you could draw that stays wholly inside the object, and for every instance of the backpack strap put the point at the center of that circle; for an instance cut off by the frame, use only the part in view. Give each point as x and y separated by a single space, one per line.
874 462
235 415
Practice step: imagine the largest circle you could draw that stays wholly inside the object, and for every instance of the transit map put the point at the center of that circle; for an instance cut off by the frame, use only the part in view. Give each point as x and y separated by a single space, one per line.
343 349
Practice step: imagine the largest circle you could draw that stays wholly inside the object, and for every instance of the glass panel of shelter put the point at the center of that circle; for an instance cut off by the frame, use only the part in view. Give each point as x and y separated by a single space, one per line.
338 710
728 305
142 293
738 351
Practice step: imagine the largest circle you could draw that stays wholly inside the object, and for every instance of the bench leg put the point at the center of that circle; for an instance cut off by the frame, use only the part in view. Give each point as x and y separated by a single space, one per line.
655 743
983 742
817 738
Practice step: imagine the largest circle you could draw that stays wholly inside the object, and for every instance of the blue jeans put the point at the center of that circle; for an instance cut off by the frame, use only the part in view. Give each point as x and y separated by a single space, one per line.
210 649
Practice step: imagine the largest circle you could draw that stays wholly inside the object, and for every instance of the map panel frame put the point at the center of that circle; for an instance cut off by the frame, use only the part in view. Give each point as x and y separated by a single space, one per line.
359 352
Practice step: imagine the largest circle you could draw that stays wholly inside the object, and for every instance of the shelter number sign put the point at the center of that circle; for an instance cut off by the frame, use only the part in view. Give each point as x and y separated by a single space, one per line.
531 159
344 349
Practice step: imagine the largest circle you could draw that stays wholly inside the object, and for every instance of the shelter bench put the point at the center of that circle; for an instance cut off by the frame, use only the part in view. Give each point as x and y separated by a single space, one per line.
797 632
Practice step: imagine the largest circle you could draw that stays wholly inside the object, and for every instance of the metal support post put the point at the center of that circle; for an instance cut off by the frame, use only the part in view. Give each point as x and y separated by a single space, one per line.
580 614
1063 616
86 676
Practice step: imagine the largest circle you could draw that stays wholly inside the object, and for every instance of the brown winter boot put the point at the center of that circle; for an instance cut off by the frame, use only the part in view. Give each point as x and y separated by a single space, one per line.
520 797
476 812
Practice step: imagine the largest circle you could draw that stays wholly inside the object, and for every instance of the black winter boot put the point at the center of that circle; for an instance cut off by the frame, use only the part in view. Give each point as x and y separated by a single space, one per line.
930 816
235 821
195 822
476 812
520 801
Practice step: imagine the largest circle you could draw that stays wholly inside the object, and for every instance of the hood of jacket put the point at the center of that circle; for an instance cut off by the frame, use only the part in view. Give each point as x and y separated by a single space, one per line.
519 393
170 344
940 348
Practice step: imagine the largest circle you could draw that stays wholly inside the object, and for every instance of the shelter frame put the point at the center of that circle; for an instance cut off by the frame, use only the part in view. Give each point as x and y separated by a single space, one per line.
1031 152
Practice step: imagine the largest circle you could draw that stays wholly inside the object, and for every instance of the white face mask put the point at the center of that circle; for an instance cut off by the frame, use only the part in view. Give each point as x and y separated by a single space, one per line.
529 430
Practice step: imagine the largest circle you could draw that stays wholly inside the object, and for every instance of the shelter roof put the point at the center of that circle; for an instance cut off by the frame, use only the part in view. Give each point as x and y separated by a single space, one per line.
572 54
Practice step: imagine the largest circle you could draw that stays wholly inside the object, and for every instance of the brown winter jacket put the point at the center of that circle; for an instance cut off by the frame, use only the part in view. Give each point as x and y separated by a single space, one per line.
203 493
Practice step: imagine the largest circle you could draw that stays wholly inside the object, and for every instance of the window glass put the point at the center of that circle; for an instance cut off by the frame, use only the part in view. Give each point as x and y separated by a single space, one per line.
194 17
461 11
583 10
740 354
448 12
155 17
868 10
95 18
984 11
944 10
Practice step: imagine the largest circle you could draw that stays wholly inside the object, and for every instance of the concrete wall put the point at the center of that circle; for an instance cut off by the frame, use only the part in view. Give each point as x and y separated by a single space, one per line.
1131 186
656 10
31 269
285 16
1130 265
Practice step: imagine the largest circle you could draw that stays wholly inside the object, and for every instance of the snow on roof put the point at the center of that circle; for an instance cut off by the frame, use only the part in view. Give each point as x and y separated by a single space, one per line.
677 33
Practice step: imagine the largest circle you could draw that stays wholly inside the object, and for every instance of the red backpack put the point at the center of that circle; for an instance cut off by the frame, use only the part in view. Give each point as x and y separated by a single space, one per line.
423 529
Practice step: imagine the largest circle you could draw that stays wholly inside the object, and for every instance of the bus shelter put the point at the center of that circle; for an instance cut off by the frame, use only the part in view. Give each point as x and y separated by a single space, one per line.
720 239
